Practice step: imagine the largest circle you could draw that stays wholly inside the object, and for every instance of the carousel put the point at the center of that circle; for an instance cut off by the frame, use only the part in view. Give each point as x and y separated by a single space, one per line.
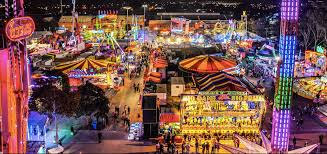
102 73
206 64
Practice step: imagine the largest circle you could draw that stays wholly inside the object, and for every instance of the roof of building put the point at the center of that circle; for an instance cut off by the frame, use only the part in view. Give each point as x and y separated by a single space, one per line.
177 80
220 81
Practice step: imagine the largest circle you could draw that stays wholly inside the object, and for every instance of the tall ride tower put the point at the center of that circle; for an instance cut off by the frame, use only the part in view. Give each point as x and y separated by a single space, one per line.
283 95
14 78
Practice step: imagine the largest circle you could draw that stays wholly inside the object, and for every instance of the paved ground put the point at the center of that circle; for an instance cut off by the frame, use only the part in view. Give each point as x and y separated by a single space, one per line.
116 141
113 142
312 126
127 96
115 135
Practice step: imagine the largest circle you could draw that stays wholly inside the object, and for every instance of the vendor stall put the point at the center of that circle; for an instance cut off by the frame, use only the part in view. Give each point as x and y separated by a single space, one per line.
223 105
135 131
314 64
312 88
225 112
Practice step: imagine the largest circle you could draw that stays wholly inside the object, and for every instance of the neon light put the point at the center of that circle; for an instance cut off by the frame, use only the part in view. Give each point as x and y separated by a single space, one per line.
320 49
283 95
19 28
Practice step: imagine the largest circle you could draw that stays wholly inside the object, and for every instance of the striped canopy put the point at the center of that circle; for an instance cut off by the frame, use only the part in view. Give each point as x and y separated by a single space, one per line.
84 64
160 63
219 82
206 64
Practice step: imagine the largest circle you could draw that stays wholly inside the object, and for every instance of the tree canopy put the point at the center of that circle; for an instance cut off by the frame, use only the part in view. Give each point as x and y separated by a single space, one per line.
45 97
87 100
92 98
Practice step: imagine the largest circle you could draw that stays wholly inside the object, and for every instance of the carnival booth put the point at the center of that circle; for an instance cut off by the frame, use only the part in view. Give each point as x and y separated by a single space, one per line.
160 64
267 53
223 106
135 131
314 64
170 124
207 64
312 88
36 127
177 86
98 72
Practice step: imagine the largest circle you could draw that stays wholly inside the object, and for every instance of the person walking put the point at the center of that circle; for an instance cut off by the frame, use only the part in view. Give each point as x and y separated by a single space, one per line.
196 146
207 147
321 138
158 147
183 146
134 86
203 147
188 148
161 148
213 149
294 142
128 110
168 146
99 137
173 147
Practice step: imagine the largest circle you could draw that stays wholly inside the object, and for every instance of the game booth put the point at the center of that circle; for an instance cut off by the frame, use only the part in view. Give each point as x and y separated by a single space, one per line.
311 88
222 106
314 64
170 123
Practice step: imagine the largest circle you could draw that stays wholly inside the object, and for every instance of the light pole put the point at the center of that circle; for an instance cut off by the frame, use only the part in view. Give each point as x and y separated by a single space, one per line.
127 8
144 7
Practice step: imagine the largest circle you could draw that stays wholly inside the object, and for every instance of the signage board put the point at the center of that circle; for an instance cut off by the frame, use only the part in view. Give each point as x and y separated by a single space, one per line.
223 92
169 117
223 97
19 28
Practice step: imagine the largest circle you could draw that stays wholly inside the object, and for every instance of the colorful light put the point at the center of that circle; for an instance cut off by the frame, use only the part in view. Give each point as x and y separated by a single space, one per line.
283 95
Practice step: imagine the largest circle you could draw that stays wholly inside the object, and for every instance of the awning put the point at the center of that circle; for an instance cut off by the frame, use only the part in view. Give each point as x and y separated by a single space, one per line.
219 82
160 63
169 117
84 64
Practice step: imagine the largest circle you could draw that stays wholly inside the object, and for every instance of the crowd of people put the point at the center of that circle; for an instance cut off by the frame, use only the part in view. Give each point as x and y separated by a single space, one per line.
202 143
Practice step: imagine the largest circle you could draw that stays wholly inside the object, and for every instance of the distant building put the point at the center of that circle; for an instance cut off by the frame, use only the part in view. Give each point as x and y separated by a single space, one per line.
90 22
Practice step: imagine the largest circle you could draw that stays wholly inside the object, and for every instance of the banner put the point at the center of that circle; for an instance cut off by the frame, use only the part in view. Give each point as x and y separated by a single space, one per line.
169 117
223 97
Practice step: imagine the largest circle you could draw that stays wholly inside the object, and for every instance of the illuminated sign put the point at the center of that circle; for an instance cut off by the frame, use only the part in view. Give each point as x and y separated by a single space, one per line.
169 117
223 92
223 97
320 49
19 28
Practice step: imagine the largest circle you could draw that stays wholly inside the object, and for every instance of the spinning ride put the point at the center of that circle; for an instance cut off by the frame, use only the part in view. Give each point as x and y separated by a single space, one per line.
207 64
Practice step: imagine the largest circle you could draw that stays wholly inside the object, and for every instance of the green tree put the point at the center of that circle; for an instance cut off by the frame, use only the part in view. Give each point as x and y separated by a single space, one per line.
92 99
48 96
